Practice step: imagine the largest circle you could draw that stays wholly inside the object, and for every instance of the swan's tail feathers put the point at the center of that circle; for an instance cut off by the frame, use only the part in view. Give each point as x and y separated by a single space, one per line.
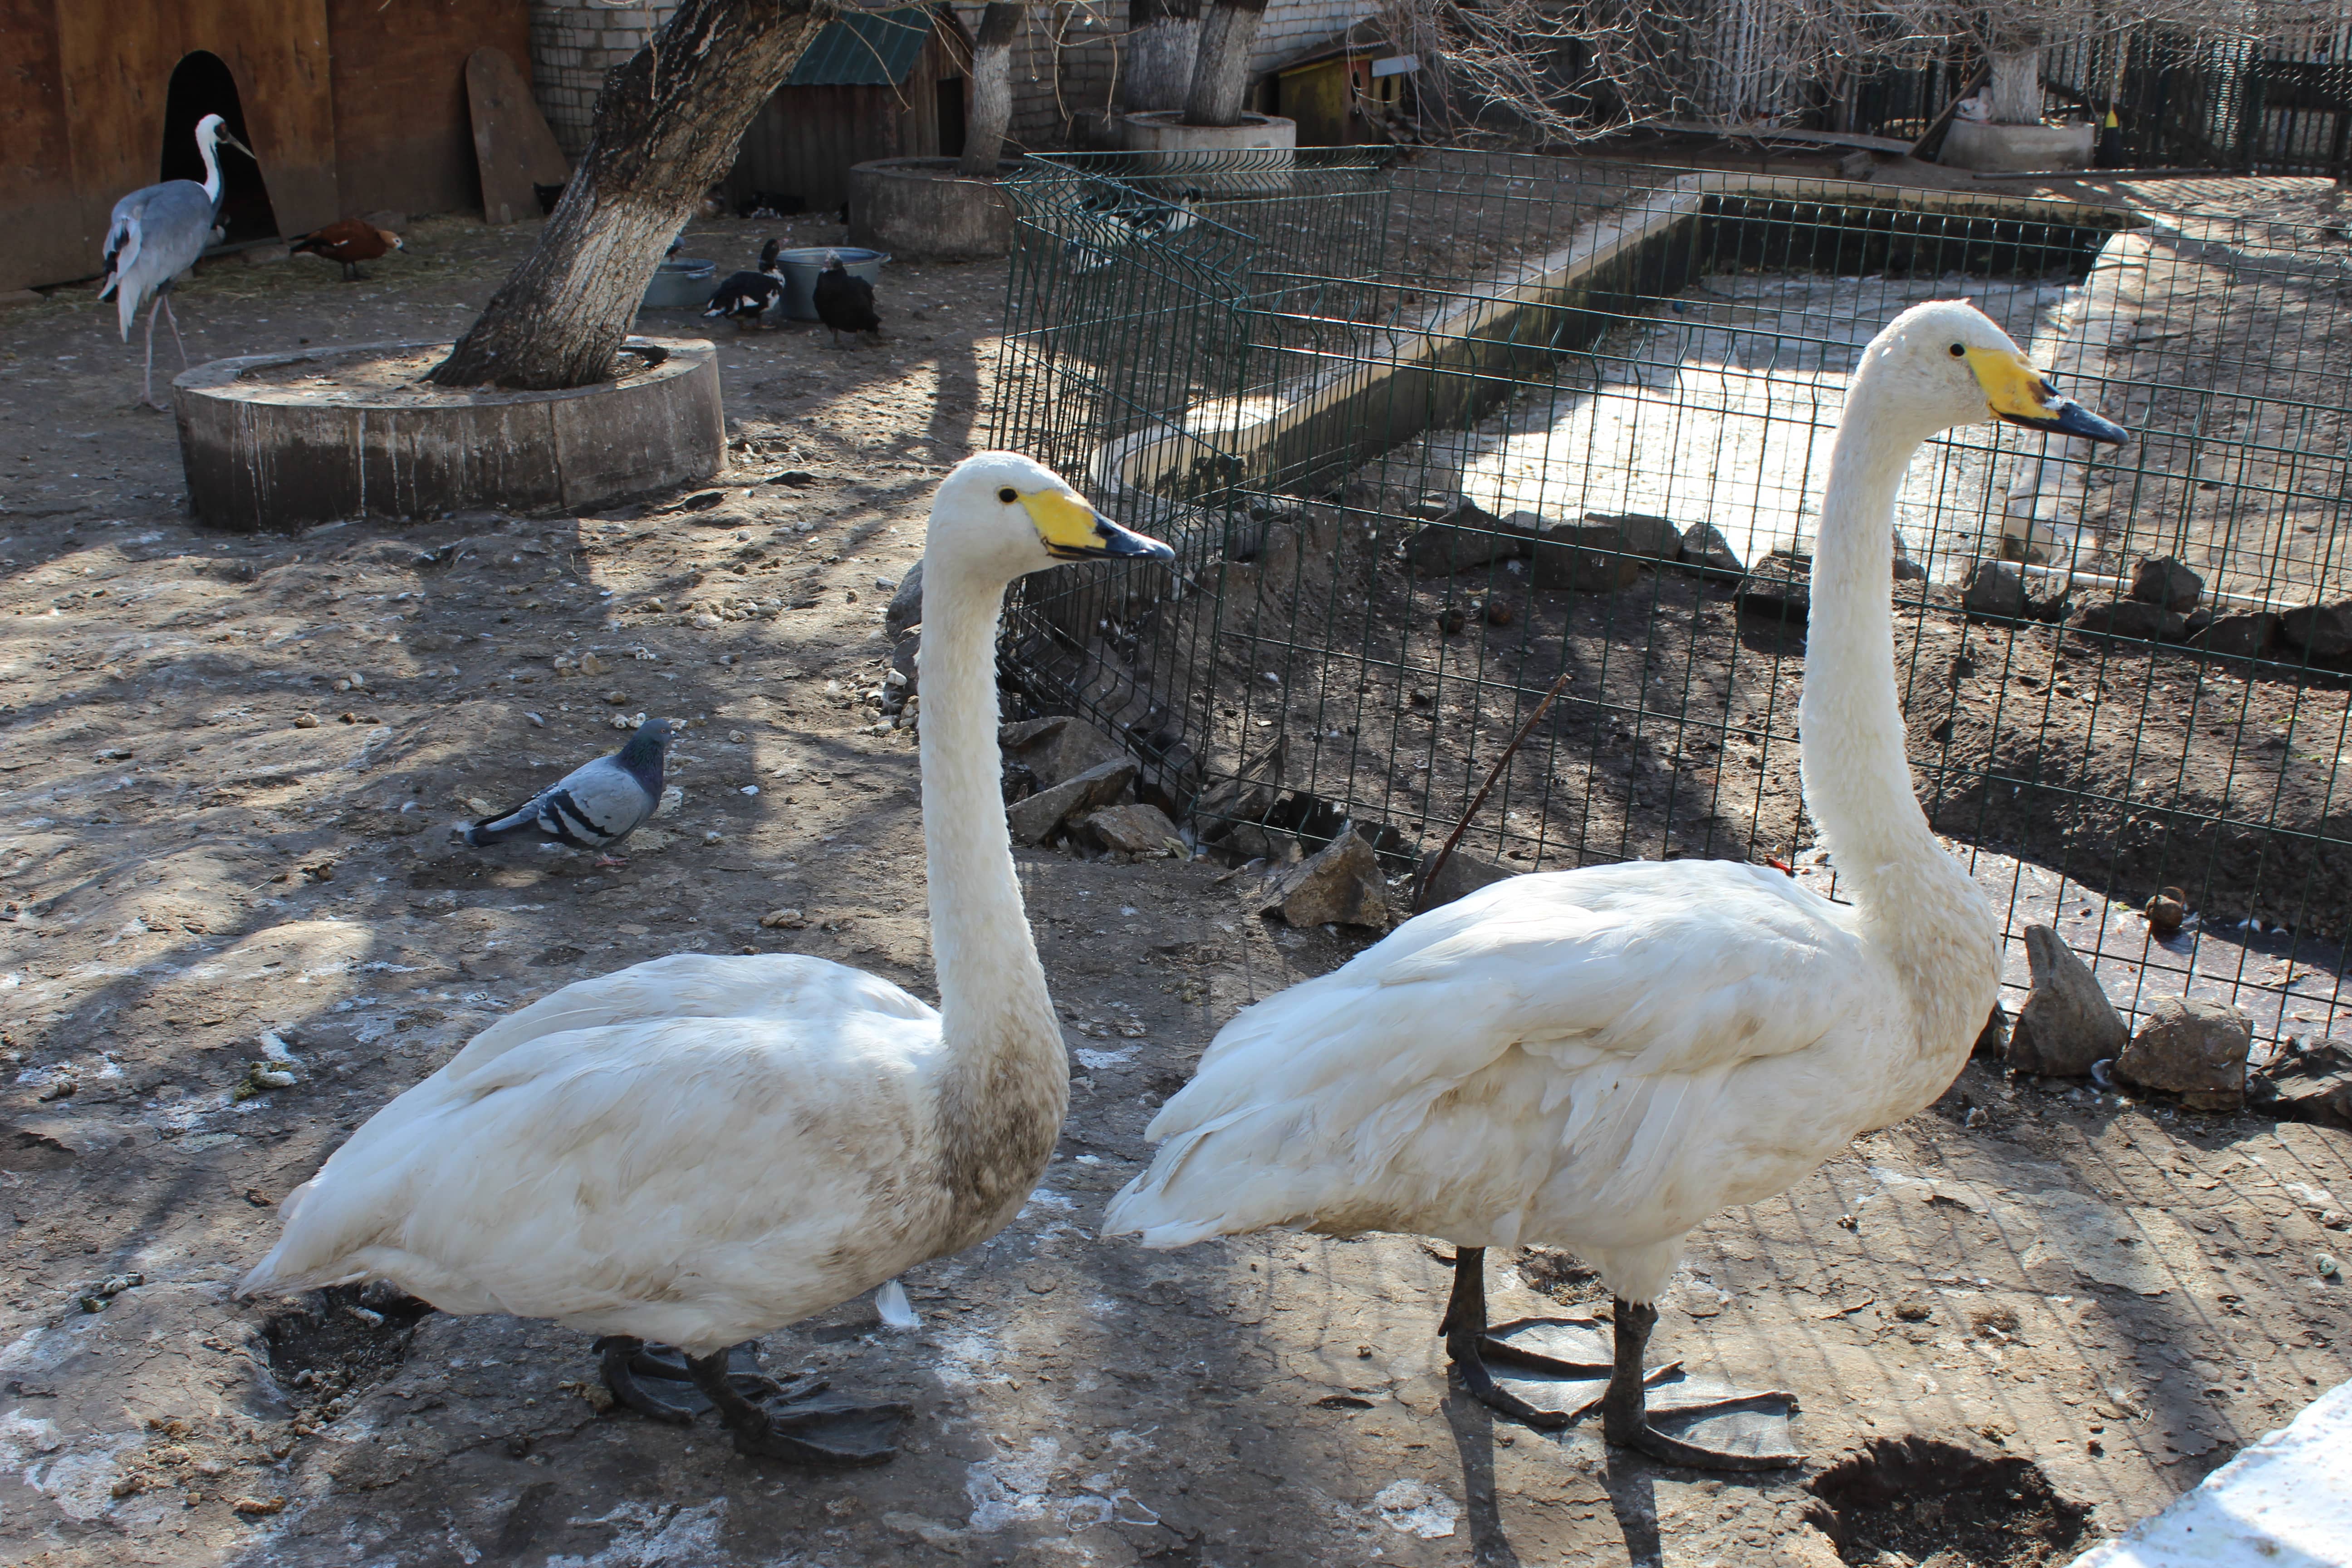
895 1310
1239 1172
278 1275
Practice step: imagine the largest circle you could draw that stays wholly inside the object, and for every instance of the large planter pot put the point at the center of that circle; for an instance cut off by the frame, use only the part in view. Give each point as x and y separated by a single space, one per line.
262 454
1173 148
921 206
2013 149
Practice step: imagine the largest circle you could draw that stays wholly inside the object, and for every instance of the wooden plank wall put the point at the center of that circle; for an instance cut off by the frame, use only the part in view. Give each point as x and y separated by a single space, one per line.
82 97
804 138
403 138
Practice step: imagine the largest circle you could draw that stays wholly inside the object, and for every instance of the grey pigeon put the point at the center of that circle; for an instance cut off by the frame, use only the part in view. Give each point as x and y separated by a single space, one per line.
596 805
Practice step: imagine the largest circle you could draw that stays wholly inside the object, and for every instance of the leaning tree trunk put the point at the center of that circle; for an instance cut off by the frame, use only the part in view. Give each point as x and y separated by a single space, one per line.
1220 73
2015 95
992 88
1163 39
666 125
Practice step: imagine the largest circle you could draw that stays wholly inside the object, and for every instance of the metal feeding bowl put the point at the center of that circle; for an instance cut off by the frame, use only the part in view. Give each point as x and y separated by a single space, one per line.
682 282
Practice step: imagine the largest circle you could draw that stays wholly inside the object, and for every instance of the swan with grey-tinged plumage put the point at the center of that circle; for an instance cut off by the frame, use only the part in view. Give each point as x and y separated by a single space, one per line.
702 1150
1599 1059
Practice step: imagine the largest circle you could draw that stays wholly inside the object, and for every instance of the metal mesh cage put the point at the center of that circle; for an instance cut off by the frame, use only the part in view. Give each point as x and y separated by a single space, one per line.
1431 434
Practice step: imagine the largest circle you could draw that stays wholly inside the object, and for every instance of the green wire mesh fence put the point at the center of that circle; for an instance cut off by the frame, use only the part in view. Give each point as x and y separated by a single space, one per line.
1432 433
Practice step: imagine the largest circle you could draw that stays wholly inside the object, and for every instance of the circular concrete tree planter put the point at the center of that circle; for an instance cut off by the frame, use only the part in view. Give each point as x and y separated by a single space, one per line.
267 446
1173 148
2014 148
921 206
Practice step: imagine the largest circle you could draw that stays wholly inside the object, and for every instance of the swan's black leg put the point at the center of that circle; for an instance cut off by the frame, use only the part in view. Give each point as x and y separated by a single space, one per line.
623 1362
1470 1348
796 1428
1625 1407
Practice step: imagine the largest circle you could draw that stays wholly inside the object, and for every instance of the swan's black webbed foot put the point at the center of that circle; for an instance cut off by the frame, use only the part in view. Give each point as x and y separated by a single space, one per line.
793 1425
1625 1413
1470 1347
655 1381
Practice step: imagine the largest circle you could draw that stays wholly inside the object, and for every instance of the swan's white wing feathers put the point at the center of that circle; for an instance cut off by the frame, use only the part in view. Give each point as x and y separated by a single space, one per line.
698 985
1550 1043
613 1140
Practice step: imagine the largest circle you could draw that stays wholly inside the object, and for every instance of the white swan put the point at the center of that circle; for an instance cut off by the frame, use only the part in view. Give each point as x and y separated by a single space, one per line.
702 1150
1599 1059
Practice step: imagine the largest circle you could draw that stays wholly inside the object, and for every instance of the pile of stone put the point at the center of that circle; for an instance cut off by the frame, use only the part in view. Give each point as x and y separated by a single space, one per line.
2165 603
1602 553
1066 782
2192 1048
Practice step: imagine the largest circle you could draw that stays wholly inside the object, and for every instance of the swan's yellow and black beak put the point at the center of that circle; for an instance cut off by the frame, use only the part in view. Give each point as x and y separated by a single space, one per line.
2023 397
1073 531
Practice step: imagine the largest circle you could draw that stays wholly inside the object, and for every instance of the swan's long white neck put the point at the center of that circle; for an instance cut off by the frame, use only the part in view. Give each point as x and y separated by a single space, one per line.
1007 1085
1918 904
206 144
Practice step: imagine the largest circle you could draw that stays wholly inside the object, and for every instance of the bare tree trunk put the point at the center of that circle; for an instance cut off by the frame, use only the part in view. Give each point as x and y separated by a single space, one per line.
991 112
1220 72
1163 38
666 126
2015 96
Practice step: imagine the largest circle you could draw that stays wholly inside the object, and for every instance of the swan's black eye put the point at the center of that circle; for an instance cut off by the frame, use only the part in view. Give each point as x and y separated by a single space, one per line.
1008 495
1959 350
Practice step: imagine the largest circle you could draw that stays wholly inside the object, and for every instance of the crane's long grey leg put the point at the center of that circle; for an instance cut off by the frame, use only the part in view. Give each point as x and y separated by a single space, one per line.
147 384
173 317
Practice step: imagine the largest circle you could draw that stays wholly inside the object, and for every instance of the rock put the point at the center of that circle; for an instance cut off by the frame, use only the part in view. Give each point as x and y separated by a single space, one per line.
2323 631
1034 820
1585 557
2162 579
784 919
906 661
1464 535
2313 1084
1780 589
2249 636
1255 841
1339 885
1706 550
2130 618
1058 747
1248 795
1464 873
1907 570
2166 910
2067 1022
2194 1048
1996 588
1992 1040
1641 534
1451 619
906 605
1855 165
1143 831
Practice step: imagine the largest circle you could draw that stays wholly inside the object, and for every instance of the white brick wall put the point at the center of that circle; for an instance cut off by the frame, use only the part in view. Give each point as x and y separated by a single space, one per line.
1065 64
572 45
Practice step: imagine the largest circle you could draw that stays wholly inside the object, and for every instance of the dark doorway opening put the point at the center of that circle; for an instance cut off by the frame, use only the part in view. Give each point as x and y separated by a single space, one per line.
202 85
951 102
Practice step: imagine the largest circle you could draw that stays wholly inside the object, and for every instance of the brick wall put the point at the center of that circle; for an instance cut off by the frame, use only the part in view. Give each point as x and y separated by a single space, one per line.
1065 65
572 45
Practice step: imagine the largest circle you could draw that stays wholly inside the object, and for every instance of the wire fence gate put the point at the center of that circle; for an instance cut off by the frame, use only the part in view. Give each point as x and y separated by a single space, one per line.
1430 431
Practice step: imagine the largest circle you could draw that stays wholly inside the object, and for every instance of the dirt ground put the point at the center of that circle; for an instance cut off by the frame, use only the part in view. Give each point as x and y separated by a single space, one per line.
2111 1297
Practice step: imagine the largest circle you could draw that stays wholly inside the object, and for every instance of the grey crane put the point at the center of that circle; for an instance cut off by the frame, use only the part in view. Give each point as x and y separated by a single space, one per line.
157 234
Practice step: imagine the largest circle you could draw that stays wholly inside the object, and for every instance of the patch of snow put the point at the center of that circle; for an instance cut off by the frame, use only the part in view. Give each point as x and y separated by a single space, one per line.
652 1536
2282 1503
1416 1508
